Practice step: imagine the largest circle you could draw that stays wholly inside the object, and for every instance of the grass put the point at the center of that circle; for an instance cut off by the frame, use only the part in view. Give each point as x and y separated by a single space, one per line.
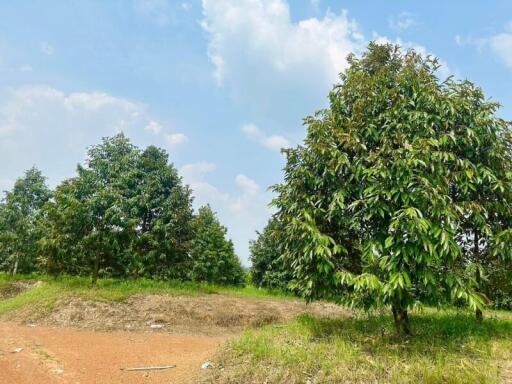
115 290
447 347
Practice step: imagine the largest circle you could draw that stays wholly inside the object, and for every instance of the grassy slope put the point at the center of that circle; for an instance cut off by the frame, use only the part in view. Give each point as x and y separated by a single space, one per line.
115 290
448 347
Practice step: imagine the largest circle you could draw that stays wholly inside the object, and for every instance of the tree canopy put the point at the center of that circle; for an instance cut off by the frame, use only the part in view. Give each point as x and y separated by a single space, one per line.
128 214
382 202
19 213
268 269
213 256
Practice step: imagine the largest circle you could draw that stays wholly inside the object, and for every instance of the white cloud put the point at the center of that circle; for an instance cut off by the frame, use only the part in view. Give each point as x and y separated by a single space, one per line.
95 101
248 185
196 171
278 67
273 142
242 212
154 127
501 44
259 52
463 40
50 128
195 175
402 22
46 48
173 140
270 38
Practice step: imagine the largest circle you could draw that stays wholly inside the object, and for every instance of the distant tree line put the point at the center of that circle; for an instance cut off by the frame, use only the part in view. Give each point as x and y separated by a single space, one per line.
126 213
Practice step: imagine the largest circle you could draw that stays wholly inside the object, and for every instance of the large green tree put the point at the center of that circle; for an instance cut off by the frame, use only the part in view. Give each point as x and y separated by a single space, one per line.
380 202
126 213
19 213
88 220
160 208
213 257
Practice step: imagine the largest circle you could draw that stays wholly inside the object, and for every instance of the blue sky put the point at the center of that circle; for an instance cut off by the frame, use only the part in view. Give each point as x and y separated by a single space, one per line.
220 84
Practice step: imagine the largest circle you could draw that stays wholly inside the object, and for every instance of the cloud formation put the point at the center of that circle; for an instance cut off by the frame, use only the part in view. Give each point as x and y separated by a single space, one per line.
173 140
242 212
53 128
258 52
402 22
501 44
154 127
272 142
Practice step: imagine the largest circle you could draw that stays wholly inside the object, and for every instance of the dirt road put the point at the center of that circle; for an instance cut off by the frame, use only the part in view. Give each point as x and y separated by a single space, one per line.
51 355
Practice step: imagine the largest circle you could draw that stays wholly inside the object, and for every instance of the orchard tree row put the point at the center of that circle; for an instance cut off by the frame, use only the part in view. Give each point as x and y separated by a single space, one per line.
126 213
401 193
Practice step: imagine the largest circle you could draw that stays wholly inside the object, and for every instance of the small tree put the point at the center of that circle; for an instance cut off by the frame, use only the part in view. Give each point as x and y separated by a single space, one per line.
375 203
19 214
268 269
213 257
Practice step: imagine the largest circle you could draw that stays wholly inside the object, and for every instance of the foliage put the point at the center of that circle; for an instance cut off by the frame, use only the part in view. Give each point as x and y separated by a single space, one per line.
161 217
390 178
19 213
268 268
213 258
126 213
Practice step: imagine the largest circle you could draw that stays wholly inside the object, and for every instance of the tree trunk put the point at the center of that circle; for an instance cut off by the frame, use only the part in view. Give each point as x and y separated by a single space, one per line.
476 256
15 267
95 270
401 318
478 313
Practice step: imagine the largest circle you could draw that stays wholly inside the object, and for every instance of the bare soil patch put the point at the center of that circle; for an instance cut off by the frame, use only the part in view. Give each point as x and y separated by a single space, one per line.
60 356
209 315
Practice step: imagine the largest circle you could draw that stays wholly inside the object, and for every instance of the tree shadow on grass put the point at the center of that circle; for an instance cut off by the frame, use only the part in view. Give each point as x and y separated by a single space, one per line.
434 334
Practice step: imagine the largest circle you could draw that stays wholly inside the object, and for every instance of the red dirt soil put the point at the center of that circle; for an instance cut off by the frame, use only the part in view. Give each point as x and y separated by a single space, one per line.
63 355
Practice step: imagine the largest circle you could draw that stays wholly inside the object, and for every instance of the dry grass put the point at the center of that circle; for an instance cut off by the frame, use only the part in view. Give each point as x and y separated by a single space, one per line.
208 315
15 288
53 303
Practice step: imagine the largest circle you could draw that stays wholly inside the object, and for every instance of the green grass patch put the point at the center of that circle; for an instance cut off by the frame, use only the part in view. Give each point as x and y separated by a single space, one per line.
447 347
43 297
116 290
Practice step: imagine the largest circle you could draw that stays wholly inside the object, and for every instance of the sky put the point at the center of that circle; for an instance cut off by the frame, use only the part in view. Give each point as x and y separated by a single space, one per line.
221 85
